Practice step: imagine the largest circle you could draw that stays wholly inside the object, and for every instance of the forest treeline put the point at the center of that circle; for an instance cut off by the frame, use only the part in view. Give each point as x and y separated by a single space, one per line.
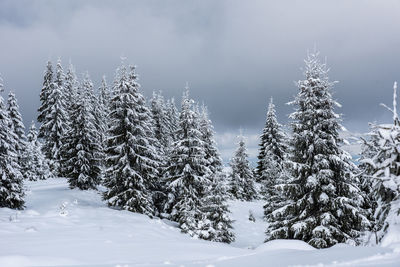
155 159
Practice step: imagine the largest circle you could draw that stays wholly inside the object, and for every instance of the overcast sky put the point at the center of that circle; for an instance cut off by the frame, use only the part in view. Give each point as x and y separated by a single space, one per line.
234 54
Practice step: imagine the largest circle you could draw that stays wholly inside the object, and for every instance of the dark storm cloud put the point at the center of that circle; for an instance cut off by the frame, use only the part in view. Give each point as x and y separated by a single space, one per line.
234 54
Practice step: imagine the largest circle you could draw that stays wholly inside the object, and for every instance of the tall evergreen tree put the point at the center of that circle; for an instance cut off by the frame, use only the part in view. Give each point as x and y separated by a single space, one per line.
70 88
47 88
11 180
187 173
215 224
18 126
35 165
158 110
103 111
173 118
380 163
104 99
323 208
210 146
131 157
53 116
273 148
242 180
84 149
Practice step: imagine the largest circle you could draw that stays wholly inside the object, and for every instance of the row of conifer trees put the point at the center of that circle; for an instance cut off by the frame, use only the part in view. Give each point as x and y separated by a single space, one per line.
156 160
152 158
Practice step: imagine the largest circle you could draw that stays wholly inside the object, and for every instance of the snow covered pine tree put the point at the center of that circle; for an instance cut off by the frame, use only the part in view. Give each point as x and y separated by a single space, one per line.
187 174
11 180
82 142
272 140
18 127
215 224
35 165
53 116
273 151
241 179
273 162
381 159
132 161
161 121
323 207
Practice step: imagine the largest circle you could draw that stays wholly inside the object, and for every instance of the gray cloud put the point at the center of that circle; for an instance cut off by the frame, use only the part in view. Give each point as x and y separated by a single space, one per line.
235 54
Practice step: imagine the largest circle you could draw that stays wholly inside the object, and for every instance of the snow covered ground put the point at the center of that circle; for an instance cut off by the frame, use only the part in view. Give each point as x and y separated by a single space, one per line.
63 227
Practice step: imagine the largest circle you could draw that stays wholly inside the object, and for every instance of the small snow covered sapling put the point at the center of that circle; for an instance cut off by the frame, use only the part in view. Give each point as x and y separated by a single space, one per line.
63 209
251 216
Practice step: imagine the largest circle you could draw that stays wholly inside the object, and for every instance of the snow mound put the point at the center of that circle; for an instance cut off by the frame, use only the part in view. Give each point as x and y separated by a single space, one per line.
284 244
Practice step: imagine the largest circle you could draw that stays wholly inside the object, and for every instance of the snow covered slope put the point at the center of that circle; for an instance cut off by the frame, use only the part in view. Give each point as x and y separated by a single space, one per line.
63 227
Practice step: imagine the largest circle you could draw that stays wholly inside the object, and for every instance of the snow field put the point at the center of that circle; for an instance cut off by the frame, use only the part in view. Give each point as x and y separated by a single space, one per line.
64 227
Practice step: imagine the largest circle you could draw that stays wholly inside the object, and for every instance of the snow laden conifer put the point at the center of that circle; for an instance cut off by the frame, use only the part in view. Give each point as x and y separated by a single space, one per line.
70 88
53 116
11 180
35 165
210 146
103 111
159 114
273 161
104 99
381 172
273 149
242 185
173 118
215 224
132 161
323 207
18 127
47 88
187 173
83 161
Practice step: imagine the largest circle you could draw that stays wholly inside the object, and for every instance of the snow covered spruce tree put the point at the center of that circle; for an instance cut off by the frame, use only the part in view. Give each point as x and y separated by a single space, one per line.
273 162
83 161
187 174
104 99
323 206
273 150
11 180
132 160
53 116
18 127
70 89
272 140
381 171
173 118
35 165
102 112
159 114
216 224
45 92
210 146
242 180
